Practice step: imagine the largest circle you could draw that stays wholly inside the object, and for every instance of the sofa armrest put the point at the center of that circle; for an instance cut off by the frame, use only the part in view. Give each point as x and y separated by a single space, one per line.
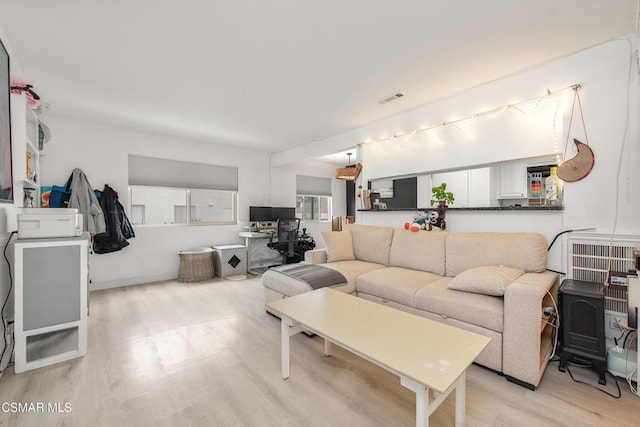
525 339
316 256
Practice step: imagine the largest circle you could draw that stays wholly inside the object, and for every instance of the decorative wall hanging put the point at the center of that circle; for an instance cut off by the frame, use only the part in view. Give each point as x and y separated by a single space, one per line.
579 166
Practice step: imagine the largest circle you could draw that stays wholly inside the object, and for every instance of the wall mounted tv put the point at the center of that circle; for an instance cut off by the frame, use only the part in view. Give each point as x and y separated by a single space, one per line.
268 213
6 175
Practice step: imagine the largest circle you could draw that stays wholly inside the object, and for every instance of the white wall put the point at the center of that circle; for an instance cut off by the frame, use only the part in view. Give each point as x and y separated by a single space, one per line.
547 223
609 197
283 192
101 152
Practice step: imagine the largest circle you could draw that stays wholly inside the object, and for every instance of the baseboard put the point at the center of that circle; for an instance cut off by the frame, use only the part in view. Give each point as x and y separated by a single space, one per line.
128 281
520 383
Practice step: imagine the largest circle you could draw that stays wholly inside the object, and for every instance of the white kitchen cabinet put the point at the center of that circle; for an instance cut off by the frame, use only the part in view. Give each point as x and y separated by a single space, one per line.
471 188
512 181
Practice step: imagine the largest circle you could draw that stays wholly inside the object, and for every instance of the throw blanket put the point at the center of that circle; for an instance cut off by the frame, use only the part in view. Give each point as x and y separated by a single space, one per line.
314 275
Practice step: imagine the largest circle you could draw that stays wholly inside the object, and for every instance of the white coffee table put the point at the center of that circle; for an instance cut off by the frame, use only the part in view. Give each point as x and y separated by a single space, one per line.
425 354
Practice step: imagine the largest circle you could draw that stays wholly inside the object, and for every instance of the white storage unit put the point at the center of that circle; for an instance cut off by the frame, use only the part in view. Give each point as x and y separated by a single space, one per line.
51 300
230 260
24 145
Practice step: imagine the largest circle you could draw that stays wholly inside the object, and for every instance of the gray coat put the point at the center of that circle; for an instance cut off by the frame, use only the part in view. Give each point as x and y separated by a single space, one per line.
83 199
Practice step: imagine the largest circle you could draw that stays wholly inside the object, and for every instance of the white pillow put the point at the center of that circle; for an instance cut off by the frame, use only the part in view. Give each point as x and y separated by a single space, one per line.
487 280
339 245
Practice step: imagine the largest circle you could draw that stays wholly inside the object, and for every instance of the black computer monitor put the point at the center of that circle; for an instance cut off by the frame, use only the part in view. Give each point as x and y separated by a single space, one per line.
284 213
260 213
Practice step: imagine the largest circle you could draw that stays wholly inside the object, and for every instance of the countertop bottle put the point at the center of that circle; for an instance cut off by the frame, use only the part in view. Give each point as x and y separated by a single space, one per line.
553 189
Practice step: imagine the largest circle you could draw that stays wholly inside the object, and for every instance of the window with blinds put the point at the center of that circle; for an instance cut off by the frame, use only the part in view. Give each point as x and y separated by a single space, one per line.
313 198
160 191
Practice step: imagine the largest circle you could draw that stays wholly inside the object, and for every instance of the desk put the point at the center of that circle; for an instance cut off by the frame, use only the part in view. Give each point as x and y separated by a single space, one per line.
259 254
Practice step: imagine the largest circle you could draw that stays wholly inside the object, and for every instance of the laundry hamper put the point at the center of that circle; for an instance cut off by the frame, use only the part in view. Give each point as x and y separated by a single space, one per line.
195 265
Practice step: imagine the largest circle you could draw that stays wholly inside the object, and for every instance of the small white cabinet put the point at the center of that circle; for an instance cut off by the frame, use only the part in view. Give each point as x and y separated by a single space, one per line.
229 260
51 300
512 181
24 145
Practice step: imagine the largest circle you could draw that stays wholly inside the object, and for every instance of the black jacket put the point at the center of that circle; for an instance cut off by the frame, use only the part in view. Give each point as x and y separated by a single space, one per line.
119 228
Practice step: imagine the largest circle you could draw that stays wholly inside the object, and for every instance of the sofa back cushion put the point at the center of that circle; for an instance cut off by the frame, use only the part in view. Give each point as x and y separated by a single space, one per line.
420 250
339 245
371 243
525 251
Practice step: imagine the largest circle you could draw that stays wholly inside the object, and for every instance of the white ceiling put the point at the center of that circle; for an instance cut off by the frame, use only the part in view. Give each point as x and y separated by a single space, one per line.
273 75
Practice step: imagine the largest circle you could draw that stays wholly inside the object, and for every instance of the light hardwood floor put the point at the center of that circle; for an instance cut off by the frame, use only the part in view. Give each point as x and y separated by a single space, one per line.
207 354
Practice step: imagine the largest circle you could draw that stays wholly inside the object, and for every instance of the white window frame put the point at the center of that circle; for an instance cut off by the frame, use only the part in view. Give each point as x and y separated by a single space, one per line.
330 208
189 223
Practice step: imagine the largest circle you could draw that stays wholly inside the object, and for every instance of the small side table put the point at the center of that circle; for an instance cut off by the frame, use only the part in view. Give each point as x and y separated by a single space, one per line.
230 260
582 324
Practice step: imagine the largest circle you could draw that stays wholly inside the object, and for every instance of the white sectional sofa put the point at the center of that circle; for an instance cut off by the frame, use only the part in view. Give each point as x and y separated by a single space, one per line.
500 282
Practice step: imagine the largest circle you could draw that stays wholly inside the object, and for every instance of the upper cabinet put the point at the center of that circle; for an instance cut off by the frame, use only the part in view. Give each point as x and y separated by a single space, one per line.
26 156
506 184
470 188
512 181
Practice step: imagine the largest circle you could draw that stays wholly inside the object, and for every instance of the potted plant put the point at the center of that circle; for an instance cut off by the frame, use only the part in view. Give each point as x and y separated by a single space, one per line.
441 195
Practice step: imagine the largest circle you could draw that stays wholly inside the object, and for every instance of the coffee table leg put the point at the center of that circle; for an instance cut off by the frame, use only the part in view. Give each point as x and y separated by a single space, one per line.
460 399
423 409
284 328
327 347
287 328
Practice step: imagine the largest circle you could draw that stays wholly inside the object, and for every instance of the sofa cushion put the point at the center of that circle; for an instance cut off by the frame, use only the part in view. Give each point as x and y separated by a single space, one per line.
339 245
525 251
371 243
289 286
394 283
487 280
418 250
480 310
352 270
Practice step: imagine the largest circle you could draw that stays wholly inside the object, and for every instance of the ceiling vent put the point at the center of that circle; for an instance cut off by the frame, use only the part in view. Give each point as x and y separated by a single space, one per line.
391 98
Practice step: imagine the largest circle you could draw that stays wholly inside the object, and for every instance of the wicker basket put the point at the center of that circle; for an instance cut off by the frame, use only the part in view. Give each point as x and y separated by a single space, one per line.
195 265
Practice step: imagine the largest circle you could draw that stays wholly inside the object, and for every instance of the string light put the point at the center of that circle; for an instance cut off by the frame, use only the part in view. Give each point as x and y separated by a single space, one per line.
463 122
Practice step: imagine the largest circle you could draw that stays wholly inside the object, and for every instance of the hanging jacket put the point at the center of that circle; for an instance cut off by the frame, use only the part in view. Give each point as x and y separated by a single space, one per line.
84 199
119 228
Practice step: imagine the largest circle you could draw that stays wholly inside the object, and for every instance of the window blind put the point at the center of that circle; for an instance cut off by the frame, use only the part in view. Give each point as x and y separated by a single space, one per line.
149 171
313 186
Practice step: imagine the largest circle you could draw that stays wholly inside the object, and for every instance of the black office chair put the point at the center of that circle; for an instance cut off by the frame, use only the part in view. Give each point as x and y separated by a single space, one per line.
287 238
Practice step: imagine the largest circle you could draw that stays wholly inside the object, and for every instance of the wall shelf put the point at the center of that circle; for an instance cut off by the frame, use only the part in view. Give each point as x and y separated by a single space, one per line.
24 146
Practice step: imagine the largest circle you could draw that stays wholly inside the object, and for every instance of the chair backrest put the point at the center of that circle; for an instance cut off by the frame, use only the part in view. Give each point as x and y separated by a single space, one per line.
288 230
